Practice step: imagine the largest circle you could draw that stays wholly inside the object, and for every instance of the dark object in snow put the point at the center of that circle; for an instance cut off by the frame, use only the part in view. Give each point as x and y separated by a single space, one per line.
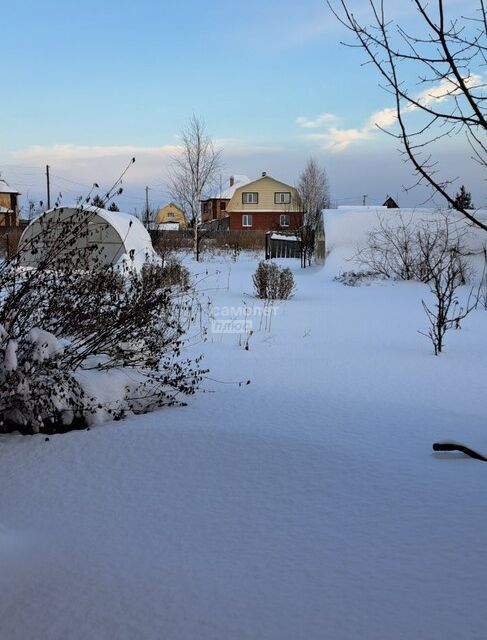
46 439
450 446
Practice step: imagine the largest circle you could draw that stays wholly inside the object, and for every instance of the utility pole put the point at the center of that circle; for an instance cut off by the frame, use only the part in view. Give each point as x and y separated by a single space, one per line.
48 187
147 207
364 199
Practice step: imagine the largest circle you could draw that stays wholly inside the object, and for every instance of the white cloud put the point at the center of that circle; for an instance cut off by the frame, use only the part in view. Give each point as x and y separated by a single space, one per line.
337 140
444 89
315 123
76 153
383 118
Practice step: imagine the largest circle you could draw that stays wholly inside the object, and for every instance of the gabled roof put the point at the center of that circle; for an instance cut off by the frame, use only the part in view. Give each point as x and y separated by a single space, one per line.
266 176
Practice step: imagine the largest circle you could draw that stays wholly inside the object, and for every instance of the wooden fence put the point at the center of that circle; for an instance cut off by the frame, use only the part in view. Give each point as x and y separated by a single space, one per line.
279 245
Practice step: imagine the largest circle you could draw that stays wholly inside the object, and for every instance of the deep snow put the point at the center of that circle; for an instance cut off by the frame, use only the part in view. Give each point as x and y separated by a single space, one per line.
306 505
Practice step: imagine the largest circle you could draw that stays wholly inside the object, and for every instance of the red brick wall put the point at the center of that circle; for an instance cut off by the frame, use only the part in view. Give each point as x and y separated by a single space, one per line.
262 221
214 211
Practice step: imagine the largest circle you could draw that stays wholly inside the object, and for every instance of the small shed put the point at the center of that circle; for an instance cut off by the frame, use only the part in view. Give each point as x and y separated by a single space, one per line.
390 203
87 237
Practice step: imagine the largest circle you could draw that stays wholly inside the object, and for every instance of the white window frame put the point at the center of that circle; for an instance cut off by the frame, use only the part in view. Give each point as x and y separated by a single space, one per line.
282 197
284 220
247 220
250 197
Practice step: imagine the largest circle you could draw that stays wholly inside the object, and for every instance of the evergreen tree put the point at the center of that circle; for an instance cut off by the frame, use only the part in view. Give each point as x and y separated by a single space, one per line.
463 199
98 202
113 207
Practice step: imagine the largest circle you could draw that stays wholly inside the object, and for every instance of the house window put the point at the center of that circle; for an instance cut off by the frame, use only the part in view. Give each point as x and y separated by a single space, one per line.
250 197
284 220
282 197
170 214
223 206
247 220
204 206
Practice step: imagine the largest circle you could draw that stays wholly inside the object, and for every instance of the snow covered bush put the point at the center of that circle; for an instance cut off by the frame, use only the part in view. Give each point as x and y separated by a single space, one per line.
356 278
272 282
81 345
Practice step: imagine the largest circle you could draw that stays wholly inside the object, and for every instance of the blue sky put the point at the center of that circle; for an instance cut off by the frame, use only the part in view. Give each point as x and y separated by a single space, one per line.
93 83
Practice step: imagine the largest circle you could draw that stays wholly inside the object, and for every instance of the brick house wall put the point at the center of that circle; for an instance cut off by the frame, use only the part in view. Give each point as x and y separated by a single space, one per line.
214 209
265 221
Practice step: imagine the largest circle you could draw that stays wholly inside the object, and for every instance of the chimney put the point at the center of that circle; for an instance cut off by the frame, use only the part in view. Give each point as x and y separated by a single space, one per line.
232 180
264 173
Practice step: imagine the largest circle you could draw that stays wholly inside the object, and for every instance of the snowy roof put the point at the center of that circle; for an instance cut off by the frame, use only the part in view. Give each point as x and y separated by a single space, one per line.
350 226
4 187
239 181
135 238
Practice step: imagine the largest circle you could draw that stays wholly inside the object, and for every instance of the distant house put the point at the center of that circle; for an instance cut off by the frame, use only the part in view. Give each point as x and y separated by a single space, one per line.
171 217
215 208
265 204
390 203
9 205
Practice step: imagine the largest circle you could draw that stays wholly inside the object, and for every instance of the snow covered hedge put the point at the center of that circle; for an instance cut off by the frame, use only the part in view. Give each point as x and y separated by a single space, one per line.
83 346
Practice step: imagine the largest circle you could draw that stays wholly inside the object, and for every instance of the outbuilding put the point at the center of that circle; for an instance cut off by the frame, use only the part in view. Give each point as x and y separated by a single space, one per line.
85 237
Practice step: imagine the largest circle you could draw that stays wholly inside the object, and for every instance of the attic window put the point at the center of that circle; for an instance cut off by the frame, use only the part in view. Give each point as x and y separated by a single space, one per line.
282 197
170 214
250 197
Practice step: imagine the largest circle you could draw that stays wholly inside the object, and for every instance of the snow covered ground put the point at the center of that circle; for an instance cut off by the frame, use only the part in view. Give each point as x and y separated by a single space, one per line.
306 505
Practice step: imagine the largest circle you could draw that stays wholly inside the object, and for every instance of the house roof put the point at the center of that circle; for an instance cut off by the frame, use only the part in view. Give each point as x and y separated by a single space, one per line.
4 187
239 181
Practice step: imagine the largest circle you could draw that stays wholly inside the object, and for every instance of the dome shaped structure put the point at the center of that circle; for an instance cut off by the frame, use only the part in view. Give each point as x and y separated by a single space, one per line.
85 237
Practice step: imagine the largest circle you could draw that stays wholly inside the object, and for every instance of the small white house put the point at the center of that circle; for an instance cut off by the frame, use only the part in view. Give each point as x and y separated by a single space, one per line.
89 236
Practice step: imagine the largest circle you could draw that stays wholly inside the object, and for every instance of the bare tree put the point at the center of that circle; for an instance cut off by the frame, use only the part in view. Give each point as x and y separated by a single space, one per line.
314 194
193 173
444 261
445 57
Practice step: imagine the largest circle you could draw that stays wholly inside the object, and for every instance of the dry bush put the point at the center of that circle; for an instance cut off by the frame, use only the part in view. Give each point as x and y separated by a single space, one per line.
168 242
272 282
60 321
170 274
447 270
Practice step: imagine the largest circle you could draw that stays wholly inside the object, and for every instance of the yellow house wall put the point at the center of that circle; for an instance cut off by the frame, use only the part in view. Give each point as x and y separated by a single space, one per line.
163 218
5 201
266 188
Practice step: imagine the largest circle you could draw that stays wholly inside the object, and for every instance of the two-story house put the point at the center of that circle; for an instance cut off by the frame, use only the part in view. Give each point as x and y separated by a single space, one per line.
265 204
9 205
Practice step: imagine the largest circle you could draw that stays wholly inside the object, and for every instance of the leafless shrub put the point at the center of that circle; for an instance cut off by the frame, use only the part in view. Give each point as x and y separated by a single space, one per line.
448 270
70 316
404 249
273 283
171 274
392 250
